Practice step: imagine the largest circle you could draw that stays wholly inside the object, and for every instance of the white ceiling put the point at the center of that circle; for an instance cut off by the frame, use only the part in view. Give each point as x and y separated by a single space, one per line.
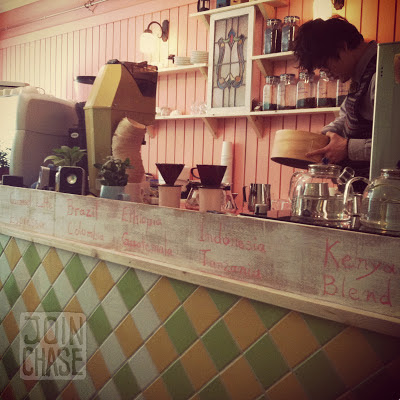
7 5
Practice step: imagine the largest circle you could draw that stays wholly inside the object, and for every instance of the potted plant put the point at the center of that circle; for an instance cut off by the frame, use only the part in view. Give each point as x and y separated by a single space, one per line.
4 162
113 176
66 156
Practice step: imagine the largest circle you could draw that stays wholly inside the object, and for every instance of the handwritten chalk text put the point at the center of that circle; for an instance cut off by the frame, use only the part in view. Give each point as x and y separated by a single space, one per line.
78 230
145 246
88 212
222 239
130 215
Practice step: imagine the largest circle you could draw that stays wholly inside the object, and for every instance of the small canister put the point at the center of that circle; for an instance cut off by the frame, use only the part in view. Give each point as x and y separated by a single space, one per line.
306 91
272 36
270 93
287 89
342 90
326 91
289 30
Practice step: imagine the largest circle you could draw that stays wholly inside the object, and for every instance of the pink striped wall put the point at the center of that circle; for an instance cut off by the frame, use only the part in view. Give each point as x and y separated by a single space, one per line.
49 54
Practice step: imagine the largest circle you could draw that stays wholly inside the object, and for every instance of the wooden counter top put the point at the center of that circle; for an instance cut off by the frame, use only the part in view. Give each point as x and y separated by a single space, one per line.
346 276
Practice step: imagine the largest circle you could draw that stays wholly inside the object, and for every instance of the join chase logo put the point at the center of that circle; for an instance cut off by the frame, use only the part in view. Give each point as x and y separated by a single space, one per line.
53 346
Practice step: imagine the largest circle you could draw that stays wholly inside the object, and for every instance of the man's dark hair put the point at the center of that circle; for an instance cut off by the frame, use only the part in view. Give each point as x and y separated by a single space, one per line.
318 40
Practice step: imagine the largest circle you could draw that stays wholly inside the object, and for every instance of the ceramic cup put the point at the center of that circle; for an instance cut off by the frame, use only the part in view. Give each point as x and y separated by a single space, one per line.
169 196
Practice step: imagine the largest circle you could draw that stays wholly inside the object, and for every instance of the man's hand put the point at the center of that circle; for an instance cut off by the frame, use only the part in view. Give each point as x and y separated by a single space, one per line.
335 151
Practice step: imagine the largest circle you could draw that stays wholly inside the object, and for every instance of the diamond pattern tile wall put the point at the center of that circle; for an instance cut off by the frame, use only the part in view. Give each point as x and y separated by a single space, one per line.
152 337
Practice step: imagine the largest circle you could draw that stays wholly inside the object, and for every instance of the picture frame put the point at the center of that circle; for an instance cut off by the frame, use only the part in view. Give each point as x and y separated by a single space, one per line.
230 62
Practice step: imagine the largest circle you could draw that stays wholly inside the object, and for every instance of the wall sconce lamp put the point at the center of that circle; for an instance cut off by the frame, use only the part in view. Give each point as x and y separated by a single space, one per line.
148 41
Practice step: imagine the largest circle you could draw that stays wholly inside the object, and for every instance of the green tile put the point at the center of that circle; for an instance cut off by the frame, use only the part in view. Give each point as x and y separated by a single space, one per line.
180 330
223 301
214 390
319 378
266 361
220 344
126 383
31 259
182 289
177 382
380 386
50 302
268 313
1 249
76 272
10 363
387 347
99 325
49 388
323 329
130 288
11 290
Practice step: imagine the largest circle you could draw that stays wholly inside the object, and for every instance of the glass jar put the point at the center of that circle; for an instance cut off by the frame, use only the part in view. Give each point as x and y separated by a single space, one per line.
342 90
270 93
192 201
306 91
289 30
326 91
272 36
287 87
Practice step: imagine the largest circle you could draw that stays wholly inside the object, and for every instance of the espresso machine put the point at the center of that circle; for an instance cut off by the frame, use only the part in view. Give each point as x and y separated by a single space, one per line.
120 90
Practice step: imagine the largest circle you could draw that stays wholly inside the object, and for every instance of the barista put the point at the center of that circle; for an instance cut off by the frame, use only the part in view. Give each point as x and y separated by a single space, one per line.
337 47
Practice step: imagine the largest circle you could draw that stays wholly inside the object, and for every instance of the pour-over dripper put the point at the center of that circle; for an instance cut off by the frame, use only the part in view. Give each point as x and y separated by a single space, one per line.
170 172
210 175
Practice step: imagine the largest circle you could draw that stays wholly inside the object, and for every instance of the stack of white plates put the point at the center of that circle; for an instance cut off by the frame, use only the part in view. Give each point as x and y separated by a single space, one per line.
199 57
182 60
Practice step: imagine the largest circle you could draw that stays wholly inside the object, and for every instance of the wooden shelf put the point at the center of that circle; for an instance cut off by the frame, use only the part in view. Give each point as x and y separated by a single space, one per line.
203 68
255 118
265 61
264 6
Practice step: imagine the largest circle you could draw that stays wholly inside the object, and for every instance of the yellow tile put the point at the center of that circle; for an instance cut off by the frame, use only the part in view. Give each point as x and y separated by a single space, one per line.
352 356
201 310
163 298
240 381
294 339
101 279
98 370
70 392
10 326
52 264
198 365
30 297
12 253
128 336
287 388
157 391
244 323
161 349
73 306
75 321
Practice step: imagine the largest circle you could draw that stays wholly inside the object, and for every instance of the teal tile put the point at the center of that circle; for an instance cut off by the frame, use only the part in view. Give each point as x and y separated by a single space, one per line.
49 388
214 390
180 330
268 313
220 344
10 363
177 382
223 301
182 289
32 259
266 361
319 378
11 289
126 383
380 386
387 347
76 272
130 289
50 302
323 329
99 325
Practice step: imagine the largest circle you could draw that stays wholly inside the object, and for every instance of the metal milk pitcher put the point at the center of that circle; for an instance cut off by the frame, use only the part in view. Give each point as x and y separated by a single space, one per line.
259 193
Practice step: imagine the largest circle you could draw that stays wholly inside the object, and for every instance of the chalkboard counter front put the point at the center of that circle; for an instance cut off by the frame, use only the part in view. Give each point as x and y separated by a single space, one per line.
345 276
